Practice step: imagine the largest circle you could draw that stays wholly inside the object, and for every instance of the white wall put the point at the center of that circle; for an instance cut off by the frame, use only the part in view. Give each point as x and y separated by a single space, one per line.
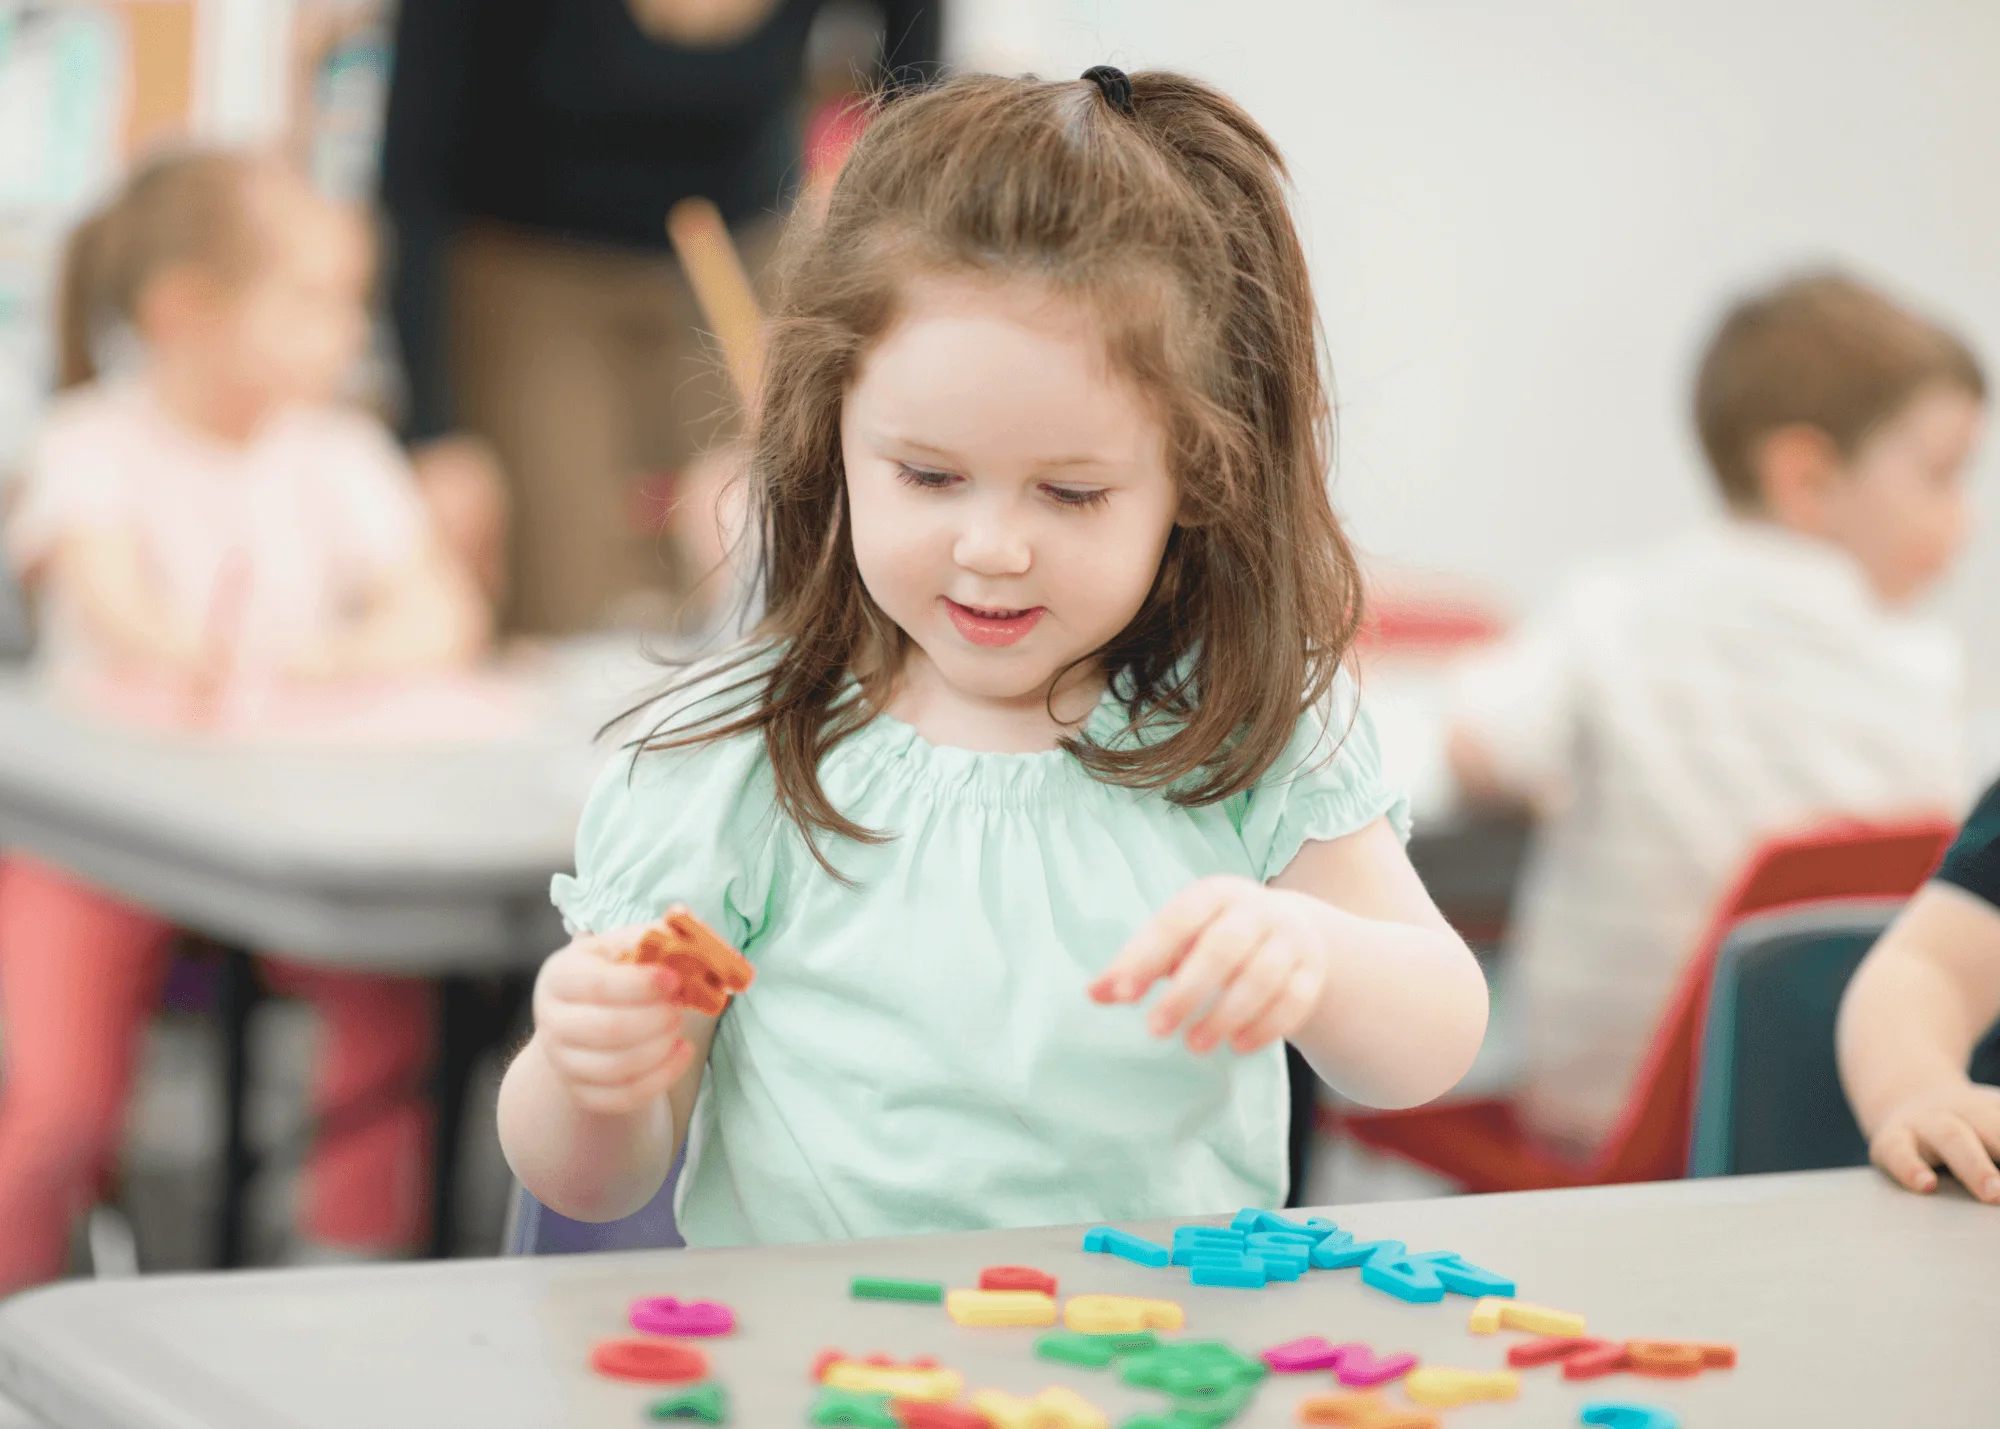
1524 216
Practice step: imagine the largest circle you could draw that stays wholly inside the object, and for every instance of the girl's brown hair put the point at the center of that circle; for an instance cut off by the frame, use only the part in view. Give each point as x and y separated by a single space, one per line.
184 208
1165 213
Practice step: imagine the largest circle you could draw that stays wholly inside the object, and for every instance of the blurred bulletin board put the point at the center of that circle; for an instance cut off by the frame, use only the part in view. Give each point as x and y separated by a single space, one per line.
158 96
309 76
85 85
71 100
340 93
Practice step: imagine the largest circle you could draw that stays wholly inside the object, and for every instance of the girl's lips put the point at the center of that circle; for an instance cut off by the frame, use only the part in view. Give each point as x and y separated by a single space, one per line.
989 627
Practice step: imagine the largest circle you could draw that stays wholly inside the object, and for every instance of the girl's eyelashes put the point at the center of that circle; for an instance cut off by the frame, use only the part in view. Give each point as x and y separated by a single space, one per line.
926 478
923 478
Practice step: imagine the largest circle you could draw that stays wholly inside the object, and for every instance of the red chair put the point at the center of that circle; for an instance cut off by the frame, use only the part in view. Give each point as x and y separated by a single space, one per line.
1425 624
1482 1145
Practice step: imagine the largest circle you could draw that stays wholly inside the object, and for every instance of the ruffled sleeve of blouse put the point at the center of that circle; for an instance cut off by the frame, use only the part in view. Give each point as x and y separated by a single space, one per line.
1326 784
697 825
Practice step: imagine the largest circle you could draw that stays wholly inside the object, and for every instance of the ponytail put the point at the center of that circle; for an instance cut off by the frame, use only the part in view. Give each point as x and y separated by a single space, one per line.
80 297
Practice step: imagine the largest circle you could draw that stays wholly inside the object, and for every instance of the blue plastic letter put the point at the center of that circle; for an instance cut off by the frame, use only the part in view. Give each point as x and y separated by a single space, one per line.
1341 1251
1628 1416
1244 1272
1129 1247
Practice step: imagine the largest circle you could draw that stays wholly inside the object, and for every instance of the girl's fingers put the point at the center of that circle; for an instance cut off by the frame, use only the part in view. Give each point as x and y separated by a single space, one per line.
607 1029
1156 949
1982 1115
1953 1139
1287 1012
1257 984
618 1101
1895 1151
614 945
1223 947
635 1095
1982 1109
586 978
589 1067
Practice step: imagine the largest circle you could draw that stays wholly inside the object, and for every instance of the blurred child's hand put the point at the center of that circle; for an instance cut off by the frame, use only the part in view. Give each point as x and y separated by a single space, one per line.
1956 1125
317 663
607 1028
1256 958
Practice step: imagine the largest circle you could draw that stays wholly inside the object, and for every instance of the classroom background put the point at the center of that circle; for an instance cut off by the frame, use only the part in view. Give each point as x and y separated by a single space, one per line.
1523 219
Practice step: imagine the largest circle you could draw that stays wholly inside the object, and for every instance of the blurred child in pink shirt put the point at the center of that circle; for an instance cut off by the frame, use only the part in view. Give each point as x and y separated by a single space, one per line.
209 535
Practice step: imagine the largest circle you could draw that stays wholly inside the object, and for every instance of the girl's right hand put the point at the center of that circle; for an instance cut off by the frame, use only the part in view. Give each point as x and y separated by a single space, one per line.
607 1029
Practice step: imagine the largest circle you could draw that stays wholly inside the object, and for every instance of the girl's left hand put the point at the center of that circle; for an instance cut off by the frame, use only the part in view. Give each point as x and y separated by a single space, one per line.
1257 958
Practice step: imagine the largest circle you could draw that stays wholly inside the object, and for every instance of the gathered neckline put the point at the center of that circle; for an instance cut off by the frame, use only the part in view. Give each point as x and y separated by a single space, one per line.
984 775
1089 723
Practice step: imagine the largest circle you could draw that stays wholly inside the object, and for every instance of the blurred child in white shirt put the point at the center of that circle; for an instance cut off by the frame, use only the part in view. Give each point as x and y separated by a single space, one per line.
1667 714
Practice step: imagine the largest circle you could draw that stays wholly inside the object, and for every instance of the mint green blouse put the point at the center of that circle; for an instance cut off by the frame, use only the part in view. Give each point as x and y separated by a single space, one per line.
918 1052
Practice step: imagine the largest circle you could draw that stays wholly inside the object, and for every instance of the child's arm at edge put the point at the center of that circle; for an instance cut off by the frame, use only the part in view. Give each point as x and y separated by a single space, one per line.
104 570
428 615
1477 774
595 1107
1908 1023
1343 954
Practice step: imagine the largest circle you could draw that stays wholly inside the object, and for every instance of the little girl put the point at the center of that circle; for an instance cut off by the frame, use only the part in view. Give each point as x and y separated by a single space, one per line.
1046 710
200 531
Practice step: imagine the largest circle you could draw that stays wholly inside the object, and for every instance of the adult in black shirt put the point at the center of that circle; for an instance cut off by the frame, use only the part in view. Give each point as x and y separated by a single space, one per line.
1914 1012
532 150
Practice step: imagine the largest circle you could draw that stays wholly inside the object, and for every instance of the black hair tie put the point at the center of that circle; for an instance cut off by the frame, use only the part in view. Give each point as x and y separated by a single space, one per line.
1114 84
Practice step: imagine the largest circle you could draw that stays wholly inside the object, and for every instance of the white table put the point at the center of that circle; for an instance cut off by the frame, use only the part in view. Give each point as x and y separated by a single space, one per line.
1851 1303
429 858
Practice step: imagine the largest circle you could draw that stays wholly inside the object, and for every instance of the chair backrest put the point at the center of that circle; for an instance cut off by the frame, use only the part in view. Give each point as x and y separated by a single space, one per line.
534 1229
1770 1097
1844 859
1432 624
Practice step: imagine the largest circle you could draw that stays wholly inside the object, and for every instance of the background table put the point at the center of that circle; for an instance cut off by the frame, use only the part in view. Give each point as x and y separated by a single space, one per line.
429 860
1852 1304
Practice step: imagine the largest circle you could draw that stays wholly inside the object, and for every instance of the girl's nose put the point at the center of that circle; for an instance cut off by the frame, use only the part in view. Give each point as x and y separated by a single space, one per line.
994 546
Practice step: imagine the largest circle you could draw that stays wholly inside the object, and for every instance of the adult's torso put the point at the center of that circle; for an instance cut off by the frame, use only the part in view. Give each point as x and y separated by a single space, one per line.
578 122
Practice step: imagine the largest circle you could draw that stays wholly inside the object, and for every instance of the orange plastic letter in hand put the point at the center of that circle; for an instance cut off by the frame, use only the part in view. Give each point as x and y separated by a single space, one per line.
711 972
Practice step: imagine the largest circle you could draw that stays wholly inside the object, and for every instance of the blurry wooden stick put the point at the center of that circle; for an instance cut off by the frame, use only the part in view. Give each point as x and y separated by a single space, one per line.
722 289
221 635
